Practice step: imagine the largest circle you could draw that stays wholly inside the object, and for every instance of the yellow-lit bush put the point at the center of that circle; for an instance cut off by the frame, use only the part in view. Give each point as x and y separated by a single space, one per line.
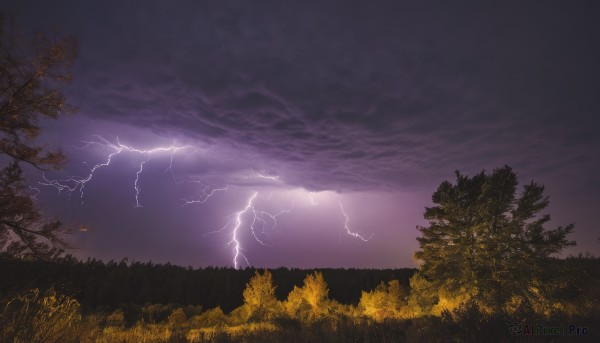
311 301
32 317
259 297
423 296
383 302
117 318
450 301
209 318
177 317
156 313
140 333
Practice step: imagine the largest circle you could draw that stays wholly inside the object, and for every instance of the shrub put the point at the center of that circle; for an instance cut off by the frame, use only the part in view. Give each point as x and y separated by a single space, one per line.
33 317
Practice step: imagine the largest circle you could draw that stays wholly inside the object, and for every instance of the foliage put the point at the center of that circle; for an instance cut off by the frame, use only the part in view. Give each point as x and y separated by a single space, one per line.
34 317
155 313
106 286
382 315
259 297
209 318
383 302
24 232
423 296
33 72
485 242
177 317
31 76
310 302
117 318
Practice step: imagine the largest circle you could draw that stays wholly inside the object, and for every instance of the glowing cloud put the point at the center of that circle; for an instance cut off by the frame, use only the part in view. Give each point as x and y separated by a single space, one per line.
73 183
257 216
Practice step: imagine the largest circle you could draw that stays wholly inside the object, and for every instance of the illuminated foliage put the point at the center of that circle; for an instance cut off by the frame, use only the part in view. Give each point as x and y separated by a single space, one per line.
315 290
177 317
33 317
382 315
209 318
485 242
383 302
259 297
423 296
311 301
117 318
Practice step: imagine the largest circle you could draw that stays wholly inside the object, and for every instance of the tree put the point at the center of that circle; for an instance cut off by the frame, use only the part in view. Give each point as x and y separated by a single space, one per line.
383 302
259 296
32 74
422 297
23 230
484 242
311 301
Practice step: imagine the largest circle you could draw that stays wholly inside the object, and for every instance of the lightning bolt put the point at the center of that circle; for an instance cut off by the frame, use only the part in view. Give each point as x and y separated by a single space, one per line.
260 216
348 231
75 183
238 222
261 224
200 197
262 175
136 185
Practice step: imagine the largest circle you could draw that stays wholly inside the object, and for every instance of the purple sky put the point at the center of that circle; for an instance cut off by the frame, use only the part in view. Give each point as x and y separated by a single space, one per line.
370 105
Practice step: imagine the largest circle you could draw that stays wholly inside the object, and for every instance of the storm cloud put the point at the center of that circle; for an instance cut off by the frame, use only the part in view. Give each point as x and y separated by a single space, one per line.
347 96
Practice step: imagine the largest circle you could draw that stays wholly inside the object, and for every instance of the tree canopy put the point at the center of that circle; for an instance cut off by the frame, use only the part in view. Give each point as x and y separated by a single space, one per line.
485 242
32 73
259 296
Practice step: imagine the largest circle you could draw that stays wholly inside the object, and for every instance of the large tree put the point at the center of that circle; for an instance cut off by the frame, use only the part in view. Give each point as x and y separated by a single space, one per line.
485 242
32 74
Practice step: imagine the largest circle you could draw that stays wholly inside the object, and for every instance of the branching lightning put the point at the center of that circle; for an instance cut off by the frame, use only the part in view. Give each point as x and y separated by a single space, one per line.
260 225
261 220
202 196
234 237
75 183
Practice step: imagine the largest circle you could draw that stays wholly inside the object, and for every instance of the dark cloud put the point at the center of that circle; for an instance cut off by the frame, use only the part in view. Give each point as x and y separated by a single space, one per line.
356 91
346 96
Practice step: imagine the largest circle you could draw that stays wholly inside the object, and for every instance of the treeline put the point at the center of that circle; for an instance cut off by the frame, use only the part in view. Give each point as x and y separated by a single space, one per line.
105 286
565 304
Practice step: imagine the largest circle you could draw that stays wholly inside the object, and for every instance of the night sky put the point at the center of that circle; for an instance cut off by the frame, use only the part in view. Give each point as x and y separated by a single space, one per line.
313 104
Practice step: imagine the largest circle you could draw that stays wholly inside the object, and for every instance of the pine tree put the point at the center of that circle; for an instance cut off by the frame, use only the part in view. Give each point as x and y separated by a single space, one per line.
32 73
24 232
485 242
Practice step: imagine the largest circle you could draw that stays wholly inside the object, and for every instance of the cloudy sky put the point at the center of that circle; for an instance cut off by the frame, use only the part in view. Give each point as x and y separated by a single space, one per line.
328 117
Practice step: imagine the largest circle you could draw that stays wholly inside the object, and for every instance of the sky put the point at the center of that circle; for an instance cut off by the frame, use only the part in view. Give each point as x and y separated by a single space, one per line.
331 123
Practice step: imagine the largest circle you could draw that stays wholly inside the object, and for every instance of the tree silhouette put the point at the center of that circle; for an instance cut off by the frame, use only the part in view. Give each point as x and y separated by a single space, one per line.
31 75
486 243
